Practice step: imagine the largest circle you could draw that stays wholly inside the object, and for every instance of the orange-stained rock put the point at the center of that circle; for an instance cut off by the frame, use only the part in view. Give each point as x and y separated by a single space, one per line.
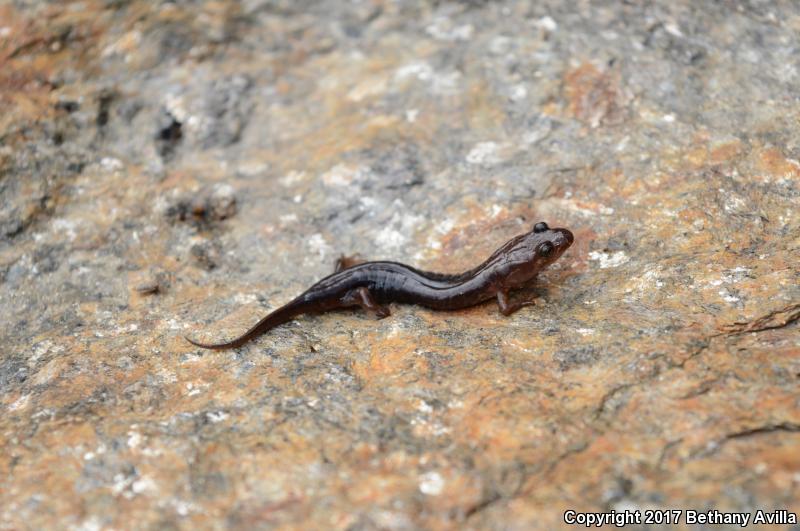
171 169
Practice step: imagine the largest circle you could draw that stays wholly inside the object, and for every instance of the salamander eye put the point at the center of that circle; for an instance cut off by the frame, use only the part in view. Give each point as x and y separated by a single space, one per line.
540 227
545 249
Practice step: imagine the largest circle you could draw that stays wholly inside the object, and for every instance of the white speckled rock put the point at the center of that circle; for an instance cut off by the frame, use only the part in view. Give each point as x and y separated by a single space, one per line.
172 168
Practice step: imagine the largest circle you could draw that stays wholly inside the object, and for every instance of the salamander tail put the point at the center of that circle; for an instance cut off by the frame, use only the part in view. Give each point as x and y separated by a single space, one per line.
215 346
277 317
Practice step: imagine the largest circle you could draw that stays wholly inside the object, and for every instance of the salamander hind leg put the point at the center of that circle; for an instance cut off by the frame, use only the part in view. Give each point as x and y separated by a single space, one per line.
362 297
343 262
507 307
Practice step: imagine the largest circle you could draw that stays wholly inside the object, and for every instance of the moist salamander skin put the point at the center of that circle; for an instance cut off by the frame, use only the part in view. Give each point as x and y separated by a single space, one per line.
373 285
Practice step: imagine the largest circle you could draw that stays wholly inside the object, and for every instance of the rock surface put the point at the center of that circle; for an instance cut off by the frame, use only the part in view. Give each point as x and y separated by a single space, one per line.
171 168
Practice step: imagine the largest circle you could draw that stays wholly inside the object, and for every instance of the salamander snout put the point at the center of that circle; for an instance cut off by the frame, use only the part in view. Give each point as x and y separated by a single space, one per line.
567 234
560 239
561 236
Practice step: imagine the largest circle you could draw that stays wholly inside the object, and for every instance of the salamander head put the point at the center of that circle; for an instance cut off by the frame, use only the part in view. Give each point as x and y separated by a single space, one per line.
522 258
548 244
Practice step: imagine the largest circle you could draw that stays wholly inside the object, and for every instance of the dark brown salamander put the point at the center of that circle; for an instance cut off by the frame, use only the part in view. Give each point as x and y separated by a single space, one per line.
372 285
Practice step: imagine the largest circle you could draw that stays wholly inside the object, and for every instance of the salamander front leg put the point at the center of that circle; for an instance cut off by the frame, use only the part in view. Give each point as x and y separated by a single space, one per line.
362 297
507 307
343 262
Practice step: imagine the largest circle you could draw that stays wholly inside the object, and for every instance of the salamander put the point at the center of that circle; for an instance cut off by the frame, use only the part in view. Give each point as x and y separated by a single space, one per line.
373 285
